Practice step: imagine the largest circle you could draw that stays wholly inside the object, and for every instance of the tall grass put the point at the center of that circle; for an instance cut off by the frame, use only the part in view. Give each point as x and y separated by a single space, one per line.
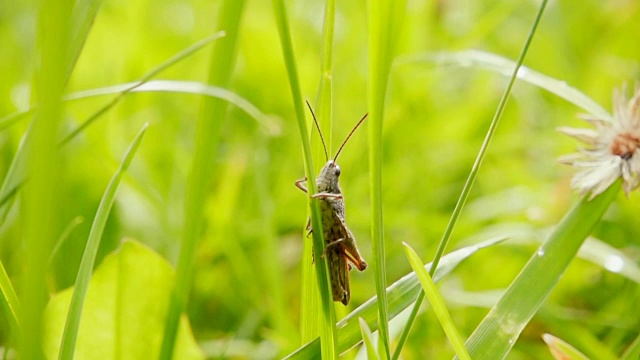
464 194
327 313
309 321
210 121
74 314
385 22
40 204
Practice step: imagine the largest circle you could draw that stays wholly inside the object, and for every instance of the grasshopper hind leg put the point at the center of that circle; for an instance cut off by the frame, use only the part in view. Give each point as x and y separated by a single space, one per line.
339 276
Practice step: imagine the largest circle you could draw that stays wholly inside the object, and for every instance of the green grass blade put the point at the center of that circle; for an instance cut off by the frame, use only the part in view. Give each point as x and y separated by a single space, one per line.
499 330
148 76
82 17
437 303
40 206
9 302
64 236
324 104
503 66
207 138
384 19
269 123
367 337
464 194
400 294
309 321
561 350
70 335
328 316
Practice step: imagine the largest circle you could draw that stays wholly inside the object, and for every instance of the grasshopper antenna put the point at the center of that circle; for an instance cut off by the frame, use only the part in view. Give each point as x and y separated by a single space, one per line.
324 146
349 136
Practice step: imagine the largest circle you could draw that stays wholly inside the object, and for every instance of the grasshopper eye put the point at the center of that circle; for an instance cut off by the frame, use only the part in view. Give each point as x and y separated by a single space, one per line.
337 170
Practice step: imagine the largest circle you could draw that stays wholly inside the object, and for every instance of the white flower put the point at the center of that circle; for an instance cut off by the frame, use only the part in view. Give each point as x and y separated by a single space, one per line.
613 148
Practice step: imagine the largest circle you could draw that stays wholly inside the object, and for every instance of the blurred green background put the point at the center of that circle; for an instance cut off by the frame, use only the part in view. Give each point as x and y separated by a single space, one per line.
436 118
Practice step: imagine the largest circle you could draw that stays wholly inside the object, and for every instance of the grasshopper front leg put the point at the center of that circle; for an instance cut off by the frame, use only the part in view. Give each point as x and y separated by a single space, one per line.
300 186
321 195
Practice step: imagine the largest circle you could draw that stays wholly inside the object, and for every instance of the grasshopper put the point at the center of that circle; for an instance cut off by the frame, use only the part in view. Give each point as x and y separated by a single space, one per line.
341 249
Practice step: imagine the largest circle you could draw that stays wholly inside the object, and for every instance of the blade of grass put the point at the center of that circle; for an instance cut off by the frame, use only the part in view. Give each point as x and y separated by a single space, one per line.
384 19
309 320
208 130
9 303
503 66
325 86
15 175
40 203
401 295
464 194
64 236
82 17
328 316
367 337
269 123
437 303
70 334
561 350
148 76
499 330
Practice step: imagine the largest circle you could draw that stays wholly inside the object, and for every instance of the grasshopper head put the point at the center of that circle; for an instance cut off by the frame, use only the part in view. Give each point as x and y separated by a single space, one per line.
327 181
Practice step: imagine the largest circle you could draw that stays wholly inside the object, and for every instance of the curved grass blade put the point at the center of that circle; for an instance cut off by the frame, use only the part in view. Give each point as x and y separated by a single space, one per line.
503 66
328 316
68 344
64 236
401 294
437 303
499 330
16 173
148 76
9 303
269 123
466 189
367 337
384 19
207 137
82 17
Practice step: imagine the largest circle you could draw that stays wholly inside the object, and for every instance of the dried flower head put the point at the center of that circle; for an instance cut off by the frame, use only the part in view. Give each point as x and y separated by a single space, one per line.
613 148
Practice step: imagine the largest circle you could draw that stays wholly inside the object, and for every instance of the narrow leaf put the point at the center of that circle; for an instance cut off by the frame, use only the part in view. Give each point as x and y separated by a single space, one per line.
9 302
499 330
368 340
502 66
327 311
207 137
401 295
437 303
70 335
473 174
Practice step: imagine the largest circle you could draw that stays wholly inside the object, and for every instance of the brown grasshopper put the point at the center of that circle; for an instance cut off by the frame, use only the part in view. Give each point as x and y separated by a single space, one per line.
341 249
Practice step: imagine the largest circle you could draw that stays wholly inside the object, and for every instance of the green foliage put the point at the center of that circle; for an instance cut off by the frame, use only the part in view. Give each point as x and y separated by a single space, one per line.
436 301
81 287
123 316
211 188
